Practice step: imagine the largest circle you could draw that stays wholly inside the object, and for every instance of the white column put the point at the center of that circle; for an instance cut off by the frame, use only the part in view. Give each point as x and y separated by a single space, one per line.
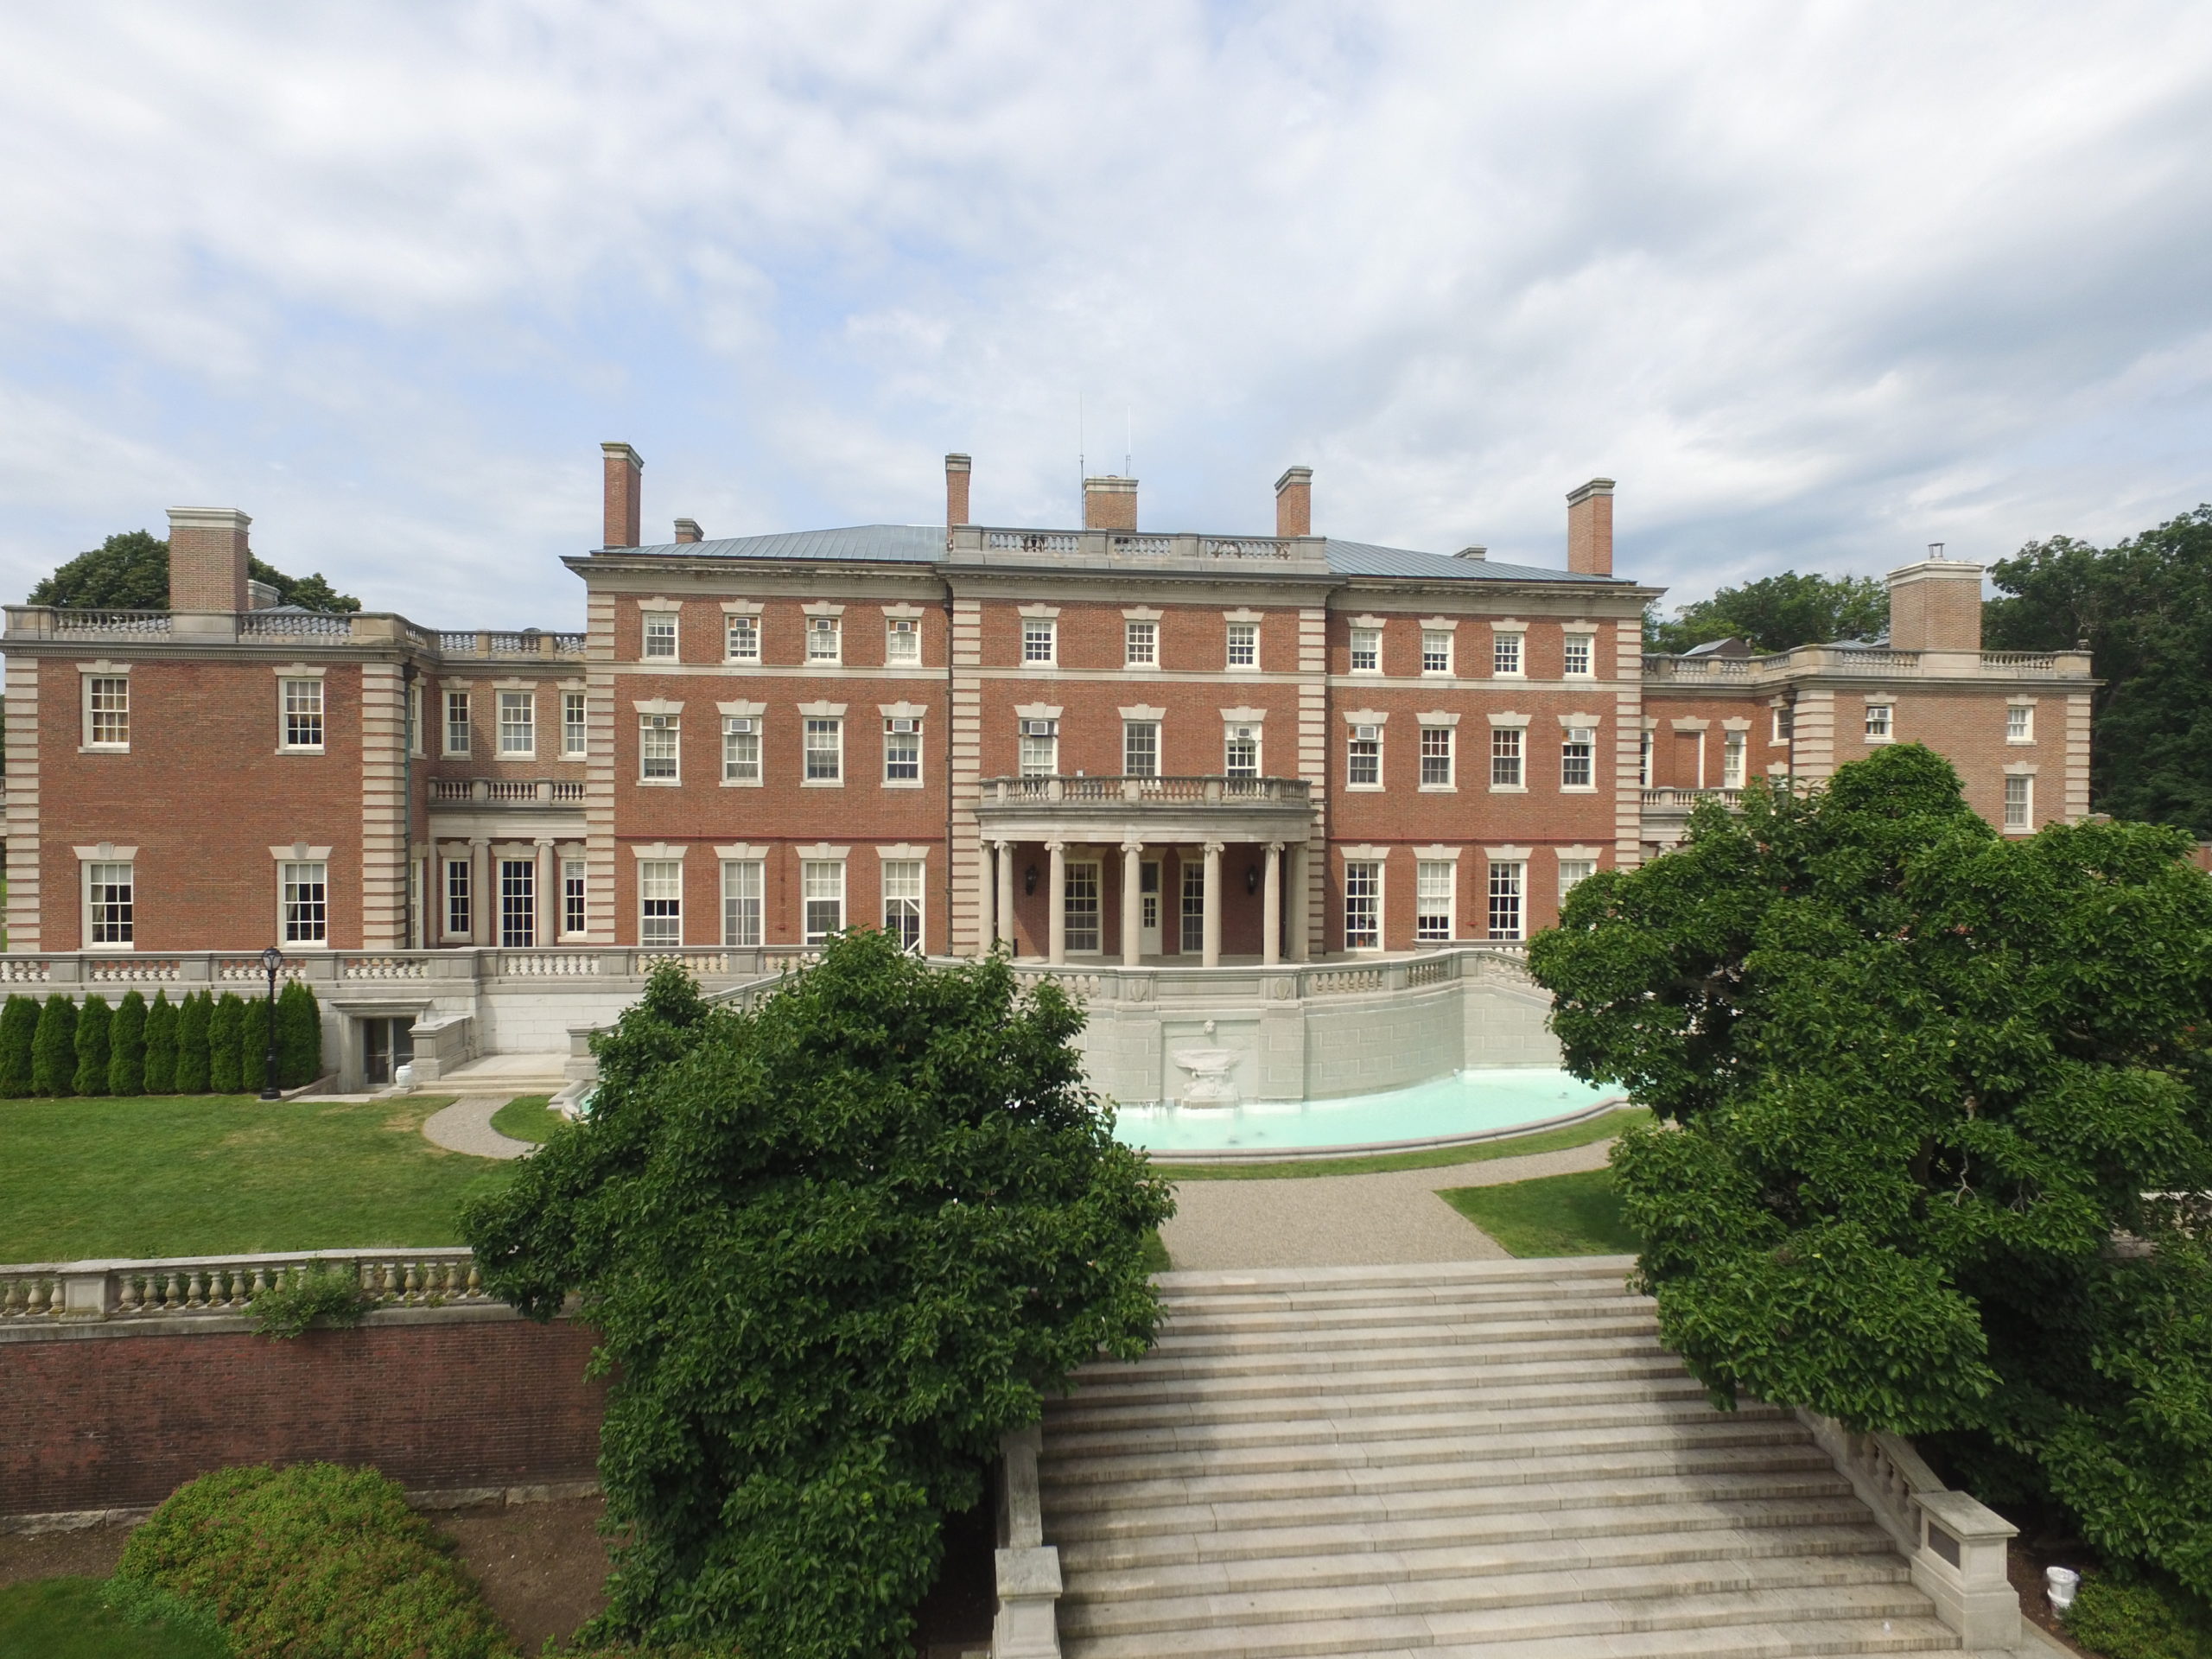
545 921
1056 931
482 898
1302 909
1006 895
987 887
1212 957
1271 911
1132 903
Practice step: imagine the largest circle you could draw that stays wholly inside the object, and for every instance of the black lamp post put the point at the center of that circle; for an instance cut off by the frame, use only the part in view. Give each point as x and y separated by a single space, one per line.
272 962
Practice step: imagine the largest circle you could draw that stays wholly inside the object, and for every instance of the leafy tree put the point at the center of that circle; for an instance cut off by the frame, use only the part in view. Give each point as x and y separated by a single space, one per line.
192 1016
126 1047
2144 605
835 1248
161 1044
18 1031
1777 613
224 1077
130 572
54 1050
92 1020
299 1035
1917 1076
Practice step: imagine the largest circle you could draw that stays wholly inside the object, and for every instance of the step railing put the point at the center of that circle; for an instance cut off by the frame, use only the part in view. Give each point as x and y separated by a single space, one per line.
1026 1624
187 1285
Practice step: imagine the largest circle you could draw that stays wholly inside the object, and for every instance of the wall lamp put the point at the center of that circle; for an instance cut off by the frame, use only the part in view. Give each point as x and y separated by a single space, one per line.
1251 878
1029 879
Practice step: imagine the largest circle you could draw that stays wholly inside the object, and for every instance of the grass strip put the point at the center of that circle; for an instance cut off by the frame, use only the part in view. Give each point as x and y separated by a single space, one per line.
77 1618
527 1117
1519 1145
1557 1215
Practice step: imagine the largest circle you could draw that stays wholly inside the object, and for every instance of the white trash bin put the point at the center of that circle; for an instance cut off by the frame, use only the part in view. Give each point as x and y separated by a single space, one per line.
2059 1583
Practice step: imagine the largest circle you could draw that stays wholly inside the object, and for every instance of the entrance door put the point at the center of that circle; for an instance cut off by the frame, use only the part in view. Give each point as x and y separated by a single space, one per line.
386 1045
1148 908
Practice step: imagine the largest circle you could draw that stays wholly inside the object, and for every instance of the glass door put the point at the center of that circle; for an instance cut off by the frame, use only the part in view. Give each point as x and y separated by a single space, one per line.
1148 908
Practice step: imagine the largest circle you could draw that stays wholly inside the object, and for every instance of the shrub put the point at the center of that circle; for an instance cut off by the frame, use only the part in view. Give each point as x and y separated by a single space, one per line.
299 1036
254 1023
313 1563
2126 1617
223 1020
54 1050
18 1033
192 1017
126 1047
161 1044
92 1020
297 1300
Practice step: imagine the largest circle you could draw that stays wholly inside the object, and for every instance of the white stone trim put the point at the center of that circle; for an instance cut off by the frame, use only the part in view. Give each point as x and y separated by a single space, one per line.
822 711
1690 724
1439 624
1366 716
2020 703
108 853
1365 854
1037 711
1367 621
903 613
1507 624
1245 613
514 685
653 706
1142 613
658 849
740 852
2021 769
1041 611
1243 717
1570 722
822 607
1438 855
1739 723
1508 717
658 604
901 849
743 710
109 670
903 710
300 671
1143 711
1594 854
741 607
300 853
1437 717
822 851
1509 854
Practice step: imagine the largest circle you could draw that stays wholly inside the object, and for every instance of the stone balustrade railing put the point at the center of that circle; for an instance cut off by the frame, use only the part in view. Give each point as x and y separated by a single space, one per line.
288 627
1112 791
507 792
173 1286
479 966
1876 662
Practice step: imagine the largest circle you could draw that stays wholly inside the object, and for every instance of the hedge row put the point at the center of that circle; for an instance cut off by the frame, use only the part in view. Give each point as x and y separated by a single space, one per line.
204 1044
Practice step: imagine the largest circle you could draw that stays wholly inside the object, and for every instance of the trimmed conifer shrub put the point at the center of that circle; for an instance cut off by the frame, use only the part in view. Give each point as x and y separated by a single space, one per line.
18 1031
299 1036
254 1021
161 1044
54 1050
223 1044
126 1047
191 1077
92 1046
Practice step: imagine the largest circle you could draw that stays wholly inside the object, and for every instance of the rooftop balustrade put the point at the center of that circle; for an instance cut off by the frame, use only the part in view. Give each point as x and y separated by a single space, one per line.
1128 549
507 792
286 628
1868 662
1146 792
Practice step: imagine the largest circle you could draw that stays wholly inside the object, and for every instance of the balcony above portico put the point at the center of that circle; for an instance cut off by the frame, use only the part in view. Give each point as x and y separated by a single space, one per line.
1155 810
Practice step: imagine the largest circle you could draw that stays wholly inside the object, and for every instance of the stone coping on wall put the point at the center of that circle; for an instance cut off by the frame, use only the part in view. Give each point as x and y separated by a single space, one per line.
1385 1148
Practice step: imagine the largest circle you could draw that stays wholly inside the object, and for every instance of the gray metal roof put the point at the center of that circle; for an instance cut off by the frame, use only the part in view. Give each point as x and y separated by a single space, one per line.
1365 559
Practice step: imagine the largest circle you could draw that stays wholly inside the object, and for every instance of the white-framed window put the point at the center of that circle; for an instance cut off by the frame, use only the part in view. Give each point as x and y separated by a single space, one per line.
1436 757
822 893
824 749
1506 654
1435 651
1367 650
107 711
1244 644
1577 759
740 748
742 887
660 635
2019 803
304 899
572 896
1080 906
660 901
1643 759
1577 653
1785 722
1141 748
1241 751
573 731
659 748
1363 759
1574 870
1193 933
825 641
902 750
1040 748
111 903
902 642
1039 640
517 725
2020 723
902 902
302 702
1435 884
1879 717
457 726
459 893
1505 757
1141 645
1734 761
1362 903
1508 878
742 637
517 903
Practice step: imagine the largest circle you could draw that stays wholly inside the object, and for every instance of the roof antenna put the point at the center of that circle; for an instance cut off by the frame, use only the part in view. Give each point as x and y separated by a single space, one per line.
1081 467
1128 442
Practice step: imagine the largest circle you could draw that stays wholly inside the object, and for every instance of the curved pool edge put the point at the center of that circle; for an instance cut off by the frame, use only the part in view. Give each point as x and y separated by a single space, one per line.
1384 1148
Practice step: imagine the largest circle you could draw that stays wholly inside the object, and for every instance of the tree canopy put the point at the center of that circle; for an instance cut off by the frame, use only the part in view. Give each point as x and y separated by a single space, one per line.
1916 1079
2143 605
1778 613
130 572
834 1248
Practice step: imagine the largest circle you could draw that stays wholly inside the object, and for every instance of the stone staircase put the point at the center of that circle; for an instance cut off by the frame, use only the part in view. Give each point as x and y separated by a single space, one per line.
1487 1459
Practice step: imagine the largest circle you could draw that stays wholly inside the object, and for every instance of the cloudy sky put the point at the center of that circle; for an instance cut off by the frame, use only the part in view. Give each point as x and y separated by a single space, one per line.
1817 283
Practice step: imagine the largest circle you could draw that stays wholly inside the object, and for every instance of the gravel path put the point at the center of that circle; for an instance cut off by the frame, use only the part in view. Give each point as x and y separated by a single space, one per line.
466 1126
1344 1221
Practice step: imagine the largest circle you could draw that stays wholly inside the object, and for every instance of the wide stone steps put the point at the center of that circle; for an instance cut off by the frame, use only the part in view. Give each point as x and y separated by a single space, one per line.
1492 1459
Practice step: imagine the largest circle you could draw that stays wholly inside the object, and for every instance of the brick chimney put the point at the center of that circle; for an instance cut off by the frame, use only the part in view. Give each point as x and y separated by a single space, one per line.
1590 529
1294 502
956 468
625 496
1109 504
687 530
207 559
1935 605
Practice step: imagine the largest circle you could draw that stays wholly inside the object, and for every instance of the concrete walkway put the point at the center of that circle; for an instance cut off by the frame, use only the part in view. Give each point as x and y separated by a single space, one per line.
1348 1221
466 1126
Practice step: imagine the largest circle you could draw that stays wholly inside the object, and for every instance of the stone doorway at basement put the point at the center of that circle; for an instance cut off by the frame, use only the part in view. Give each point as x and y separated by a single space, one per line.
386 1045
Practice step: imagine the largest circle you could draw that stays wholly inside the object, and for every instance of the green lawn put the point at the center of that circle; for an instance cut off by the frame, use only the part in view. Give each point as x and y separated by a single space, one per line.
527 1117
1520 1145
67 1618
224 1175
1559 1215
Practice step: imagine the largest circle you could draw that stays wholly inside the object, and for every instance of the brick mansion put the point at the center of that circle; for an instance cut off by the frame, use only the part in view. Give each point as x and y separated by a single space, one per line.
1104 743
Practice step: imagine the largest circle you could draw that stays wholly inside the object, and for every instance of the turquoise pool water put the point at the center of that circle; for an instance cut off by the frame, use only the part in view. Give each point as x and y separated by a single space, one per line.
1467 1102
